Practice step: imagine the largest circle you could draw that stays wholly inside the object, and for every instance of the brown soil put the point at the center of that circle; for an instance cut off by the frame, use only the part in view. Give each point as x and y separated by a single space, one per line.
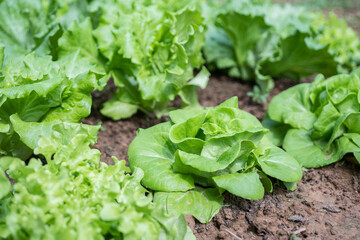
326 204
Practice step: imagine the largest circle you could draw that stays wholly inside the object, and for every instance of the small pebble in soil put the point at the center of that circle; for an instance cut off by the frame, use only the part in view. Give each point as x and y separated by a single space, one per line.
228 214
289 195
299 196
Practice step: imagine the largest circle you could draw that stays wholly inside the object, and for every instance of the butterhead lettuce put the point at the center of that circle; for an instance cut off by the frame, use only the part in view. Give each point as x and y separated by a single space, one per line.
262 41
192 159
317 123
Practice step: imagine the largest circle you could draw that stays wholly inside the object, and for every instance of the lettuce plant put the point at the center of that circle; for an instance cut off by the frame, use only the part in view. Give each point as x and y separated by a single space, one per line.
200 153
37 89
151 53
260 42
343 41
74 196
318 123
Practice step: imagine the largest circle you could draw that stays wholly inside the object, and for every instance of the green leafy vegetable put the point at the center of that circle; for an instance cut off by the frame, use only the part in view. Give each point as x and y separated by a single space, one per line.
149 48
36 89
319 123
219 148
75 196
161 62
344 42
261 41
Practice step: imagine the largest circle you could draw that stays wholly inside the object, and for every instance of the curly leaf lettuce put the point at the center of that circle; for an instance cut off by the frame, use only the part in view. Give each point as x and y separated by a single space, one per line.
151 53
320 122
37 89
343 41
76 204
201 153
27 26
77 197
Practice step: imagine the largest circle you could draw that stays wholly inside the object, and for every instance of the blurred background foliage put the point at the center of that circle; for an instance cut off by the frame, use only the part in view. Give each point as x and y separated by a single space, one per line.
347 9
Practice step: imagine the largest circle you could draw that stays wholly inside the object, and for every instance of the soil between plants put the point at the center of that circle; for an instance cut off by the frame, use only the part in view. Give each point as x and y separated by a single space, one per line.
326 204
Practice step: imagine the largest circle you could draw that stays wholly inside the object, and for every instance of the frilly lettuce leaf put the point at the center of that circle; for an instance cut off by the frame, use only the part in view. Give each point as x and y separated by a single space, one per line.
26 27
74 195
319 125
215 148
343 41
36 26
74 198
38 89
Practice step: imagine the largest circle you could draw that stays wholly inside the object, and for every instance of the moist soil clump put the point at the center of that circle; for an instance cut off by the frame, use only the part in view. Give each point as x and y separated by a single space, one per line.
326 204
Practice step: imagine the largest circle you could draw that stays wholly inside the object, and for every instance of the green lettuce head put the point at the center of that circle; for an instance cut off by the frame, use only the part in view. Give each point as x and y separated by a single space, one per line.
193 158
75 196
319 123
38 90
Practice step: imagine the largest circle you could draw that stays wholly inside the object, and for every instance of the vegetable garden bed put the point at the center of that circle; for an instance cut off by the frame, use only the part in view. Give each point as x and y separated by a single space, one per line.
235 119
326 204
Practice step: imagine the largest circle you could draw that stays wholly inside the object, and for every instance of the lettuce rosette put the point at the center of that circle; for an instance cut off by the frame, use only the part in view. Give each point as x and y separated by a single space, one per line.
192 159
74 195
151 53
318 123
38 90
262 41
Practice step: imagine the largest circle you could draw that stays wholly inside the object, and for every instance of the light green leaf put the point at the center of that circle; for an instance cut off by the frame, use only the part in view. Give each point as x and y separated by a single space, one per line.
156 157
290 186
181 115
117 110
277 131
295 98
326 120
244 38
299 144
111 212
203 204
184 134
303 60
245 185
58 132
5 185
279 164
79 37
201 79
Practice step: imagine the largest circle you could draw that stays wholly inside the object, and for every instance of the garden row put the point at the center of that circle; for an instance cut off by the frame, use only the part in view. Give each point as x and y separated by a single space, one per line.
53 54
